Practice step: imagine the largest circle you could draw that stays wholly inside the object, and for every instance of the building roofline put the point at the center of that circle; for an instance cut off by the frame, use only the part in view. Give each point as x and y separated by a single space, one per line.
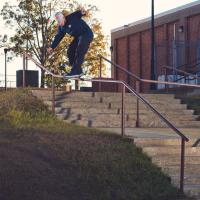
174 10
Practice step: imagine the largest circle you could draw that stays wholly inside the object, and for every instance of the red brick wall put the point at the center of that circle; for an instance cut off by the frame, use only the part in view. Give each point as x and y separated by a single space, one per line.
146 58
170 38
133 51
134 58
193 35
121 58
139 50
160 49
104 87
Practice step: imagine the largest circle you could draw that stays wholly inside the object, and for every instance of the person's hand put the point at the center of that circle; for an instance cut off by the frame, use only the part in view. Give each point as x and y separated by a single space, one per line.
84 11
87 13
50 50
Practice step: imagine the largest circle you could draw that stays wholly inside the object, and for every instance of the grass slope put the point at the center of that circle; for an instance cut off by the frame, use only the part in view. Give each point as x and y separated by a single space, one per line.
42 158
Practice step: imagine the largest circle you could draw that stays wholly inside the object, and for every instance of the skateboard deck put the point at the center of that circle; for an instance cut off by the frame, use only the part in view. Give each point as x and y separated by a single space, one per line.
79 78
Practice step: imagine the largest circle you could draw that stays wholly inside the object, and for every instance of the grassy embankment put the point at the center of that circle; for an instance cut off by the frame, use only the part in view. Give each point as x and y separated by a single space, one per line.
42 158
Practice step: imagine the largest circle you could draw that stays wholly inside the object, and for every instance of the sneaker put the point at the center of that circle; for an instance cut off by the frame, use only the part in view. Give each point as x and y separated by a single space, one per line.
73 74
62 66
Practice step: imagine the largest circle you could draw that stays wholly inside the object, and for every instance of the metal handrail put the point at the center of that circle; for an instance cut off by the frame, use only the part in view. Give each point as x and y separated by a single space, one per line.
134 92
185 74
140 79
192 64
41 66
121 82
182 72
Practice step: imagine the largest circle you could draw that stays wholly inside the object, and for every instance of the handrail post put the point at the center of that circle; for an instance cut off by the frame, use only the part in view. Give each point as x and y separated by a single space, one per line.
165 73
182 168
100 72
77 85
123 111
138 106
24 72
166 79
53 95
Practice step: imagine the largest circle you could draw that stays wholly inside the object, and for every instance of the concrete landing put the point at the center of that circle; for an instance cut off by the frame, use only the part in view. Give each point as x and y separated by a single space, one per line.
161 133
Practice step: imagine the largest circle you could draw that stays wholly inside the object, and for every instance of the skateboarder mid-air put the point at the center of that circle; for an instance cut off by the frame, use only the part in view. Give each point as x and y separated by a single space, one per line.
74 25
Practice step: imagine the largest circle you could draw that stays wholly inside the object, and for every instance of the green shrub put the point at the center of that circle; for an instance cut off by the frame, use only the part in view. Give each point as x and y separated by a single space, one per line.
20 100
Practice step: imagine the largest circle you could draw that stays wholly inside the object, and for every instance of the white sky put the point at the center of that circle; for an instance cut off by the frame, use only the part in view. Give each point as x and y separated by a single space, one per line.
113 14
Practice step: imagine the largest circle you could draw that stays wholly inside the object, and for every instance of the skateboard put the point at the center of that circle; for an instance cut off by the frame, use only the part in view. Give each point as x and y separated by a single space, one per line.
79 78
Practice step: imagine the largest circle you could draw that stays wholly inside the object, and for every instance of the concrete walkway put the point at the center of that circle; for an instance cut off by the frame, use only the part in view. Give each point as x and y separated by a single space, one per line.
162 133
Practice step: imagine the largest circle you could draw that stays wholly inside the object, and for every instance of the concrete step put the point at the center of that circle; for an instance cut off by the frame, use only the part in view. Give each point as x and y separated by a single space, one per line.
157 123
103 120
78 104
113 122
146 120
76 99
189 179
114 98
44 93
168 160
160 124
193 190
158 106
134 99
175 170
99 124
129 106
79 109
114 101
148 142
144 117
190 189
176 117
168 150
110 94
84 111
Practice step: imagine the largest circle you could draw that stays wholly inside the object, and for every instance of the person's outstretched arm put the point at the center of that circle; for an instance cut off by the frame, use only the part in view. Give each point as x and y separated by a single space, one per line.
59 36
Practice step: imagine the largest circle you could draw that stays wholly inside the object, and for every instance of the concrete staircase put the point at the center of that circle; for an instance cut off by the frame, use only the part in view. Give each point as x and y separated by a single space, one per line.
103 109
166 154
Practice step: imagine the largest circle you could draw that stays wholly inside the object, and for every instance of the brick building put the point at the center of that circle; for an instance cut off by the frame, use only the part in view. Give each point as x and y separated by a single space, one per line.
177 35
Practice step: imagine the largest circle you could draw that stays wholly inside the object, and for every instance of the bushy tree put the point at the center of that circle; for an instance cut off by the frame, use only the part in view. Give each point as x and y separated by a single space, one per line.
35 30
3 40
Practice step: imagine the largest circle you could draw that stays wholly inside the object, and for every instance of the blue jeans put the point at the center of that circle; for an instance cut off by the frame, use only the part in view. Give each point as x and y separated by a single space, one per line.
78 49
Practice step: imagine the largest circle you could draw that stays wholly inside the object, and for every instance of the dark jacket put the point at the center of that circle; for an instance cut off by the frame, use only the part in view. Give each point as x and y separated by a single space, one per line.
74 26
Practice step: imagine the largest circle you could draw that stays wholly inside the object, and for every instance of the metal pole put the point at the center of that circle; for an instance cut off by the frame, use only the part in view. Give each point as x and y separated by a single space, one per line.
26 60
77 85
138 114
165 74
123 111
153 76
182 171
100 73
53 95
24 72
138 105
5 51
